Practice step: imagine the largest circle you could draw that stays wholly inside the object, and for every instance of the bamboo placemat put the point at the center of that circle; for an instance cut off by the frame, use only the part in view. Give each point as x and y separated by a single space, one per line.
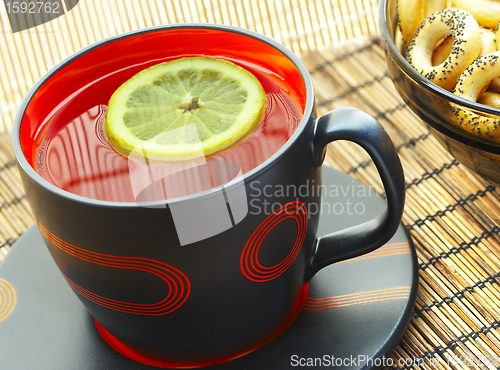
453 215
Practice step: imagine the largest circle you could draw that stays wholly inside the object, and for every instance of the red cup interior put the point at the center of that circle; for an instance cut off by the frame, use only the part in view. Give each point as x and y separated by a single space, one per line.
91 78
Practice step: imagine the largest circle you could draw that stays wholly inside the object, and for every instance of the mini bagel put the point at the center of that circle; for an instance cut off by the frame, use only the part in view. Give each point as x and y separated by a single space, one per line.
488 45
486 12
491 99
488 41
494 85
466 45
442 50
469 86
412 12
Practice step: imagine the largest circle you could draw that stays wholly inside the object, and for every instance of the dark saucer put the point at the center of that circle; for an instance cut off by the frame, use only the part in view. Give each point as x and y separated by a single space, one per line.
355 313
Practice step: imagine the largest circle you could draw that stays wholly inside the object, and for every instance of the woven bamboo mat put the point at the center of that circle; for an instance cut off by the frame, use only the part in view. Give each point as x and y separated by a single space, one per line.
453 215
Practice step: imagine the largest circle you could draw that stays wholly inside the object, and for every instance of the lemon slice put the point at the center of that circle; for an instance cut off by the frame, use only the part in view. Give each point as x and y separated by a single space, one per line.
177 109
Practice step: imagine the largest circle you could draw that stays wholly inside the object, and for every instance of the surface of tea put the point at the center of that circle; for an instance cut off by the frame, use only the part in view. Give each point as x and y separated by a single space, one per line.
75 155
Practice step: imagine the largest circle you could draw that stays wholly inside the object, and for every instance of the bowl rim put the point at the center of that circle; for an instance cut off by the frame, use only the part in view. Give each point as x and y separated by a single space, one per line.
415 75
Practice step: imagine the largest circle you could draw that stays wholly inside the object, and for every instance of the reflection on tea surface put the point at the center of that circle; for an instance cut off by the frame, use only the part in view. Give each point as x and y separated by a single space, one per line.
79 159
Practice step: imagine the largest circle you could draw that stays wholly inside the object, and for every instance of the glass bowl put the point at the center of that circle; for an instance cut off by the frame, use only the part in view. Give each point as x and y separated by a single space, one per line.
433 105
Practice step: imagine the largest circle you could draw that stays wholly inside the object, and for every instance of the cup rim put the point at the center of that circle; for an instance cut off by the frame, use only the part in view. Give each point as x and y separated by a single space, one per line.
415 75
266 165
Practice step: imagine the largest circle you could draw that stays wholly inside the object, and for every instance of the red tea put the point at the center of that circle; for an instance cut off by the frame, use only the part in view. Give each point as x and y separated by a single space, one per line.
70 150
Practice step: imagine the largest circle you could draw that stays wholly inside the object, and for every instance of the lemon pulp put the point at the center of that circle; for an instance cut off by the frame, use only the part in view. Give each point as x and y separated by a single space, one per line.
178 109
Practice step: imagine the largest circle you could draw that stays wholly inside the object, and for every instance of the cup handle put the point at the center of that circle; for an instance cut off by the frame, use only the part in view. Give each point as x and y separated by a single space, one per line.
359 127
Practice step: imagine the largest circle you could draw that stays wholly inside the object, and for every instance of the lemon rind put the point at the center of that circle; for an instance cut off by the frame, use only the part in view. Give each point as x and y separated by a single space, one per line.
124 142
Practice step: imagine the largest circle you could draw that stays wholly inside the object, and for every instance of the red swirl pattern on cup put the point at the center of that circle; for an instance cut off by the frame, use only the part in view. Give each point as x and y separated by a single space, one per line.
178 284
249 262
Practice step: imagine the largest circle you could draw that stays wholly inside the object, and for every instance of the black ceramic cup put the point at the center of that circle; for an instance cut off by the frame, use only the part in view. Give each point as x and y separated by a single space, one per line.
163 292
